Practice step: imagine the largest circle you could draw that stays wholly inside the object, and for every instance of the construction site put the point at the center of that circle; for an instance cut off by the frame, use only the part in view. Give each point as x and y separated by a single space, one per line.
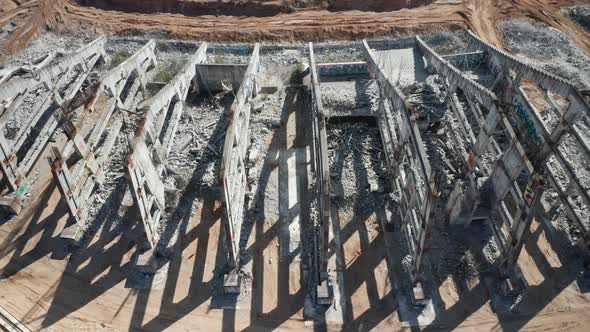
324 165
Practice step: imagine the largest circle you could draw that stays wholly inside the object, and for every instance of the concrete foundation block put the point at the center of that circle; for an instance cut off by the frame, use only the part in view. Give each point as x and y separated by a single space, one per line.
418 294
11 204
146 262
72 233
231 282
324 293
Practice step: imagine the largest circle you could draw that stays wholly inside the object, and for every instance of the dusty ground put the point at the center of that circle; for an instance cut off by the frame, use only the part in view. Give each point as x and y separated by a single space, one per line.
35 16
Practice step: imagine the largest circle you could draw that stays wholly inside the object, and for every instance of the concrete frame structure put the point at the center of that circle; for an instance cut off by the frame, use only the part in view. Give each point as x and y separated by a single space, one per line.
78 180
8 73
501 184
513 71
146 164
477 197
217 77
233 168
55 77
319 150
408 165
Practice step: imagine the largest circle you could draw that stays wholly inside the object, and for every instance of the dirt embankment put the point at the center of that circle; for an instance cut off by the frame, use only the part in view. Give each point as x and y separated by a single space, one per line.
192 7
296 20
375 5
255 8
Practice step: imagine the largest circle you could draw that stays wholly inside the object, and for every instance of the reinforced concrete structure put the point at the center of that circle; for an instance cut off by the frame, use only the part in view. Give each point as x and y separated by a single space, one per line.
146 164
233 170
509 152
541 145
502 122
320 164
408 164
509 124
79 167
60 78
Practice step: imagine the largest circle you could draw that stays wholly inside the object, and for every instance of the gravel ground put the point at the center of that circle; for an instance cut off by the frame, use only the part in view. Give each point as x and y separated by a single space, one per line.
350 97
549 47
449 42
44 44
355 156
580 14
338 52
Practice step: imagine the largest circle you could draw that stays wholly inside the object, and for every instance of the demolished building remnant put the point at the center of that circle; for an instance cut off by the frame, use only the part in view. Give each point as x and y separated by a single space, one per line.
502 142
322 285
407 161
149 150
547 138
8 73
79 167
59 79
233 170
506 121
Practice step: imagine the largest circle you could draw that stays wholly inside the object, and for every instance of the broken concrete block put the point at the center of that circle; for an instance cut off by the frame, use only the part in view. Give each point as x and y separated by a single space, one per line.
127 199
146 262
418 293
231 282
257 106
376 188
269 90
71 233
253 156
324 293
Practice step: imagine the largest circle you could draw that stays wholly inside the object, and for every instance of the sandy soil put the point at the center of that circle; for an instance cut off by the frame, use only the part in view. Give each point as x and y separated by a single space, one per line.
311 24
91 295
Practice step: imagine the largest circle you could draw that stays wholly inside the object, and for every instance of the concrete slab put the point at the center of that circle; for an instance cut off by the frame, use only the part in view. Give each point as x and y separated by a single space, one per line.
289 202
403 66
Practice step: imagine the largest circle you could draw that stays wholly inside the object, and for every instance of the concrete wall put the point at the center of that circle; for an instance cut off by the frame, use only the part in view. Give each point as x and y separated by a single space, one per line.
211 76
233 172
342 69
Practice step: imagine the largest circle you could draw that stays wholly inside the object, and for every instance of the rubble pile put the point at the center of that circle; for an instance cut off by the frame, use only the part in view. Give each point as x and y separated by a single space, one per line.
358 97
549 47
580 14
356 168
448 42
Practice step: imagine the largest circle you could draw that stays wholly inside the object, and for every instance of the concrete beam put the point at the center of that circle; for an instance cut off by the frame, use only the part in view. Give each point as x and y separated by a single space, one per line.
10 72
156 108
142 60
526 69
323 291
148 154
233 169
343 69
411 168
78 180
212 76
48 74
14 170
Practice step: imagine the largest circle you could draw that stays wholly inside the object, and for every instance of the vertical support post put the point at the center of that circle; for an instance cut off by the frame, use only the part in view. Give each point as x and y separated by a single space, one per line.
324 292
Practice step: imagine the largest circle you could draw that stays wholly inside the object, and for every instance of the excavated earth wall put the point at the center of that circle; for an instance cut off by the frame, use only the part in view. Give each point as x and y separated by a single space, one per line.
257 8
